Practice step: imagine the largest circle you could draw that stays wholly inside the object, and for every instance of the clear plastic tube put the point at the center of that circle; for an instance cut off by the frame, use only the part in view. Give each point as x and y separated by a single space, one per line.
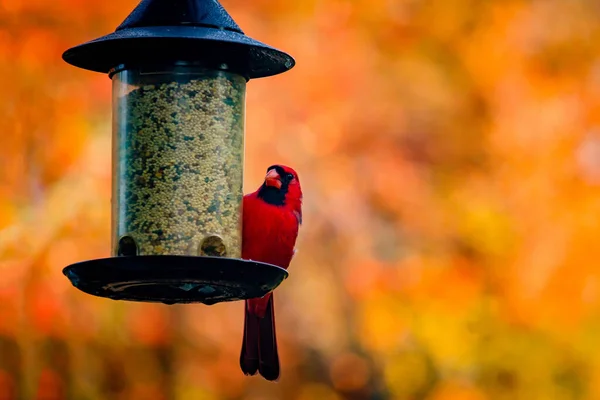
178 152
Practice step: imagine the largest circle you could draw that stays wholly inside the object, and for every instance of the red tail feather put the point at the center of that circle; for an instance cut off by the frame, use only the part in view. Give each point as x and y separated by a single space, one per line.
259 345
249 355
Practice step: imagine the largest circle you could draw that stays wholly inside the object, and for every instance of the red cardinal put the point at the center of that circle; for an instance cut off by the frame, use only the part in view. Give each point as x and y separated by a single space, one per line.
271 218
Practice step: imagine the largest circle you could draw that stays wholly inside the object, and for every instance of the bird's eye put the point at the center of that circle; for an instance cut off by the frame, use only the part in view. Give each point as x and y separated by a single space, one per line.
289 177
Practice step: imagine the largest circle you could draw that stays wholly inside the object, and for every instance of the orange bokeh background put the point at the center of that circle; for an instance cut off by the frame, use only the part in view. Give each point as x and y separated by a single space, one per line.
449 154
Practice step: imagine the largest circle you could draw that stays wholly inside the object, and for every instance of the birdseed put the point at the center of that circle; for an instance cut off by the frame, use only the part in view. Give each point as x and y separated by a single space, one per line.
180 166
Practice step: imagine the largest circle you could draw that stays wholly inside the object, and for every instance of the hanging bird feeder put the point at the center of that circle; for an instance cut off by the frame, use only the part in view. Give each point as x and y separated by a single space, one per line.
179 70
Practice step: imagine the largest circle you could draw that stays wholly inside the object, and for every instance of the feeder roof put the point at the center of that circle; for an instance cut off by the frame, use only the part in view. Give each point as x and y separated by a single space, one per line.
180 30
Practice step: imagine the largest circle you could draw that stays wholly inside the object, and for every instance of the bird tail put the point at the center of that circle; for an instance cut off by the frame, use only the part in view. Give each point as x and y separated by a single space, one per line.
259 345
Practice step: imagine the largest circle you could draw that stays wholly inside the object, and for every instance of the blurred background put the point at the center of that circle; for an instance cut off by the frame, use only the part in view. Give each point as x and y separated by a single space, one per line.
449 153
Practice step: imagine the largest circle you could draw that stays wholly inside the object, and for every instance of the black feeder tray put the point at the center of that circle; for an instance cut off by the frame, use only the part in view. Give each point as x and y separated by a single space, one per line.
195 32
175 279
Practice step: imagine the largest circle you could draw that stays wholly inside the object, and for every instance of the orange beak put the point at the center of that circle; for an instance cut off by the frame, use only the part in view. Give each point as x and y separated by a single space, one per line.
273 179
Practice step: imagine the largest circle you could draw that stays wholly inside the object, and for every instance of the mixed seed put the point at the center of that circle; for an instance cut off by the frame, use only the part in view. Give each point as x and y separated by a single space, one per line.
180 160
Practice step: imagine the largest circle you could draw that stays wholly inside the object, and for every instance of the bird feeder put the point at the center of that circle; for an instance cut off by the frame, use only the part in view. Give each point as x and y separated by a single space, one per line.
179 70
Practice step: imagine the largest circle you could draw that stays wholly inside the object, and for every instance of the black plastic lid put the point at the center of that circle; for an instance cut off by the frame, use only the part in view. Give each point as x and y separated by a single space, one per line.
180 30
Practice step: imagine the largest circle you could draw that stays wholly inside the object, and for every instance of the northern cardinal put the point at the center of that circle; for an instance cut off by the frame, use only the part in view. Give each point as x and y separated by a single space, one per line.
271 218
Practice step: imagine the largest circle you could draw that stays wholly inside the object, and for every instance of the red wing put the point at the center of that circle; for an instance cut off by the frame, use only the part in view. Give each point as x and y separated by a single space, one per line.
269 232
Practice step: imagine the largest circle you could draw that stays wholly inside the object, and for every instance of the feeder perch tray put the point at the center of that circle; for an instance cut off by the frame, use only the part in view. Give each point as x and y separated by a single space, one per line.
172 279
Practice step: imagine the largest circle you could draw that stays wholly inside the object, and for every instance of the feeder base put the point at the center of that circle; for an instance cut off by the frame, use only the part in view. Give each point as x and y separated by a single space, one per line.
175 279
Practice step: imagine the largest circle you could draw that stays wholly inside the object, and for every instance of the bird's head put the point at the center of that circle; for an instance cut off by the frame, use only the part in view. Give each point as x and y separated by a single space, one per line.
281 187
